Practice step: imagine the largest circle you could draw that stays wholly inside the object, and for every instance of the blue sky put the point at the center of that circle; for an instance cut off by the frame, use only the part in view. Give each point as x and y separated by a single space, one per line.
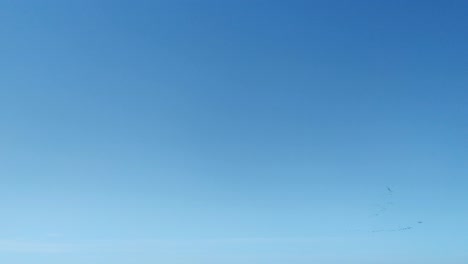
203 131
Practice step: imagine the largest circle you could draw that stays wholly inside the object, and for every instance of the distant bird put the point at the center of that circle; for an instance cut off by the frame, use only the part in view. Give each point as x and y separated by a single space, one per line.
405 228
390 190
393 230
420 222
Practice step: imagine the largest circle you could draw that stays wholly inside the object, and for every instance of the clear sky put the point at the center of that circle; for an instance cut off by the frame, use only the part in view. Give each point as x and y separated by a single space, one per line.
233 131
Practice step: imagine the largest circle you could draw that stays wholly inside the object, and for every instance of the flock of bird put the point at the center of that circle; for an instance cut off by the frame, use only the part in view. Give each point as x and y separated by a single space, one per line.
383 208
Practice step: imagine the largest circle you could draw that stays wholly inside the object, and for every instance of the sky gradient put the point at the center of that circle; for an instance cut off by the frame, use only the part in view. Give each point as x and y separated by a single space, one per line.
246 131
